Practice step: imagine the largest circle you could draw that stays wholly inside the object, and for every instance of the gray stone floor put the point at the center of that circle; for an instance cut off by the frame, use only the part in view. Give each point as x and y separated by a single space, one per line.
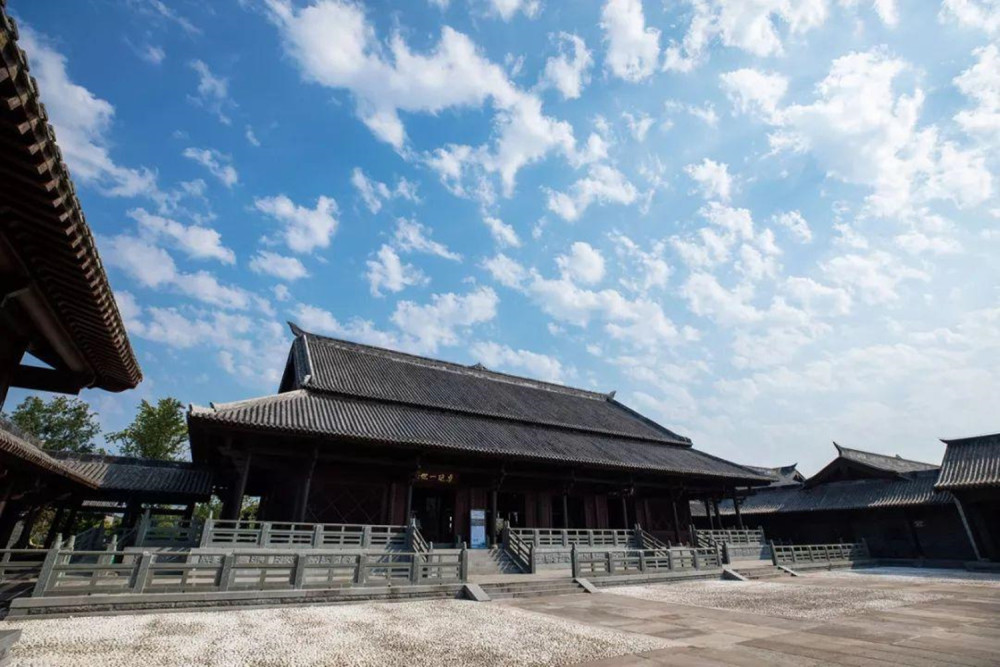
916 620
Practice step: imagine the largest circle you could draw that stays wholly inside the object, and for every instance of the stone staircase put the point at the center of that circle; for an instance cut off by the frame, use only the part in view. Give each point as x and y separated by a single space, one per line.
755 572
491 561
531 588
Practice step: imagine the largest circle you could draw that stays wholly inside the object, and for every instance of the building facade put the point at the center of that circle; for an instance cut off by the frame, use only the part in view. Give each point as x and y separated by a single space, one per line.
360 434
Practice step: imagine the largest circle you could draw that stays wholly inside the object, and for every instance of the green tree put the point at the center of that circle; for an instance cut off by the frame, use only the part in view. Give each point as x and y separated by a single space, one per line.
64 424
157 432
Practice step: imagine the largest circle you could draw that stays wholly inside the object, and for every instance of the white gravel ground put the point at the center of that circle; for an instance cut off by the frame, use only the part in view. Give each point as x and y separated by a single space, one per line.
819 602
405 634
914 575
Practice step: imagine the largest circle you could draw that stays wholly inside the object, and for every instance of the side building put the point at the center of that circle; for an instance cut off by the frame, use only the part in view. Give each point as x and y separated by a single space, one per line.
888 501
970 472
361 434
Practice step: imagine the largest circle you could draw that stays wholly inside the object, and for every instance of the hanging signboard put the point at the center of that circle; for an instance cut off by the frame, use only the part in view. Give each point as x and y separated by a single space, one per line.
477 529
439 477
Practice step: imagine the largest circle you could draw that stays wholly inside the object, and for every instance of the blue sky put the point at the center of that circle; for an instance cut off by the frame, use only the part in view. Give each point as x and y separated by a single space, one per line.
767 225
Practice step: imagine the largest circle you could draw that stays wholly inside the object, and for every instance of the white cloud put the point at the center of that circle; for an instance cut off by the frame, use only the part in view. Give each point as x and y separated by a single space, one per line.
708 298
278 266
375 193
569 71
712 177
816 298
502 233
505 270
213 92
281 292
650 268
872 277
976 14
304 229
251 137
633 48
411 236
388 272
981 84
205 287
153 55
507 9
538 366
439 322
159 10
218 164
583 264
603 184
753 91
638 125
863 133
335 46
82 122
149 264
796 224
753 27
194 241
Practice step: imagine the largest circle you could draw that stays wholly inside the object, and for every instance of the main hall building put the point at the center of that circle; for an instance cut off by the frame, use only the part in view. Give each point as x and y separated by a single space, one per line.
360 434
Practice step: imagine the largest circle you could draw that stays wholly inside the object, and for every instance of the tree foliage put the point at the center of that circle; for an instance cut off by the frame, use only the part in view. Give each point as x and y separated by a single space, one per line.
64 424
157 432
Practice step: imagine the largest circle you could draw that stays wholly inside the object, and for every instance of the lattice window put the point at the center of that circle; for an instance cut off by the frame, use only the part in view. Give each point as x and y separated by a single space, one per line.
345 503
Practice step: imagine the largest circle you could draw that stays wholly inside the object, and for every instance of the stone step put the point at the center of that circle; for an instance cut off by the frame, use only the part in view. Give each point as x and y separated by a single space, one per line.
507 591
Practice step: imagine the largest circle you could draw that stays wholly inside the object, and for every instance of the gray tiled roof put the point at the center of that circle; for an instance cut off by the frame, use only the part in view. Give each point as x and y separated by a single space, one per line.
782 475
971 463
894 464
123 474
380 422
351 369
916 489
25 449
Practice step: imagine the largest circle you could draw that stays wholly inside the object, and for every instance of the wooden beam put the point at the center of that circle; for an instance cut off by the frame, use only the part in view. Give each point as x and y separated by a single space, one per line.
48 379
968 528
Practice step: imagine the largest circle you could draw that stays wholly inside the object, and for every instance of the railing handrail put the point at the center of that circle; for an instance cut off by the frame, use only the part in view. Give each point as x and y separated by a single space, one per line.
63 572
520 551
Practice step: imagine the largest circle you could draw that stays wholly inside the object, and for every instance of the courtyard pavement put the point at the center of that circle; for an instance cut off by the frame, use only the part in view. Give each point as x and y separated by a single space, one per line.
873 617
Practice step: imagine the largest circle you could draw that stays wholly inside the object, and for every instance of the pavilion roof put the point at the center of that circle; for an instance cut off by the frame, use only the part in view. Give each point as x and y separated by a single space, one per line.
782 475
30 453
971 463
855 494
895 464
124 474
69 312
381 397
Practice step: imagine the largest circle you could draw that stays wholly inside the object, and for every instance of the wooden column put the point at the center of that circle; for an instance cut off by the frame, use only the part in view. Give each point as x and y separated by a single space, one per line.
27 524
736 508
300 514
54 526
234 503
968 528
624 511
677 519
189 512
5 497
409 502
708 511
718 514
565 504
493 517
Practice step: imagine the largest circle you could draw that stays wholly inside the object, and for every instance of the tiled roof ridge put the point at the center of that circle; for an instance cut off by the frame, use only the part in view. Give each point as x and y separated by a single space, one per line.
969 439
476 370
888 457
125 460
196 410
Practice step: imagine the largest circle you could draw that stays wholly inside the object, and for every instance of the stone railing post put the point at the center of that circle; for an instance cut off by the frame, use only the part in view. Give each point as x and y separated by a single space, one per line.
565 537
670 559
206 532
697 559
366 536
463 571
642 560
361 576
299 574
227 571
264 536
574 561
610 557
140 533
414 568
726 558
532 559
590 537
317 536
142 572
774 554
46 573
